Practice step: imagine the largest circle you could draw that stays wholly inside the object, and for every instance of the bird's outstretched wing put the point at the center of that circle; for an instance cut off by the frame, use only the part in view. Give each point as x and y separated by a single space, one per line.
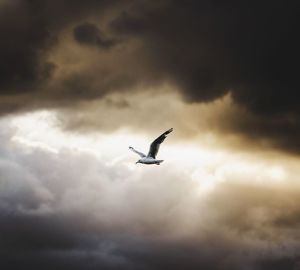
135 151
154 147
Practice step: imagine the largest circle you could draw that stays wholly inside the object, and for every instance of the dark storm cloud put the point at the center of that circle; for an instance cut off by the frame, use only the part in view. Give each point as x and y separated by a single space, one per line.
204 48
209 48
28 30
280 130
90 34
280 264
21 39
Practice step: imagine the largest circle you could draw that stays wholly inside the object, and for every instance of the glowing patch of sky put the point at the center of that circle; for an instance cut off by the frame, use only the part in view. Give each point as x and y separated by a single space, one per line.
206 166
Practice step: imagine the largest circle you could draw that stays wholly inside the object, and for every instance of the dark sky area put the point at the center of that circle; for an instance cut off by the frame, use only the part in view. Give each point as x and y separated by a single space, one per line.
68 55
205 48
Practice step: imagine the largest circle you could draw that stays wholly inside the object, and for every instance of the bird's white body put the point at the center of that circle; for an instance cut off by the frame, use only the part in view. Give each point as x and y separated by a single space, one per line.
151 157
149 161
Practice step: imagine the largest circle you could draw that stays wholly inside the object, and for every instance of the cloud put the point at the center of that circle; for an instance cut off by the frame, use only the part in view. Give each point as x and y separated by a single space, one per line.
204 50
74 209
215 72
29 30
90 34
216 48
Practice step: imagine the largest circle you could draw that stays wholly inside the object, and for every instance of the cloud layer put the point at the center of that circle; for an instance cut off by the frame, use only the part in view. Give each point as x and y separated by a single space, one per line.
73 209
222 74
60 53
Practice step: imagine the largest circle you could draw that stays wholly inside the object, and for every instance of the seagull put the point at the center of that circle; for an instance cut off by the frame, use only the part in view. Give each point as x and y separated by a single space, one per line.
154 146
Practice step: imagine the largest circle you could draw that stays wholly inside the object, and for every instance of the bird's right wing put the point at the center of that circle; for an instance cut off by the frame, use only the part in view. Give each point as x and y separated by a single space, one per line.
154 147
135 151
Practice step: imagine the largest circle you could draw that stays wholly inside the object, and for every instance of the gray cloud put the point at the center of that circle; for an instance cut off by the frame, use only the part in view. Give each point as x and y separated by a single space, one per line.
204 49
73 210
90 34
29 29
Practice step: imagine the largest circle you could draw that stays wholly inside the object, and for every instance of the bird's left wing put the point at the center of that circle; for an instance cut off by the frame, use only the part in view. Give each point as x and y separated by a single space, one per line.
135 151
154 147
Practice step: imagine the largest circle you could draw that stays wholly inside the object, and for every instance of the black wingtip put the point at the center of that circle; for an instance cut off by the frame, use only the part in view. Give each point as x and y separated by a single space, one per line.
170 130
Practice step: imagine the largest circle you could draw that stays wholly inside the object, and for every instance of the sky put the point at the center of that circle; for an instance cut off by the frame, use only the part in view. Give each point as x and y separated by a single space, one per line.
81 81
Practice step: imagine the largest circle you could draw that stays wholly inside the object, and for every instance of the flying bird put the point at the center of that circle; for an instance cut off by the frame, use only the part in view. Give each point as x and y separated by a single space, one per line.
154 147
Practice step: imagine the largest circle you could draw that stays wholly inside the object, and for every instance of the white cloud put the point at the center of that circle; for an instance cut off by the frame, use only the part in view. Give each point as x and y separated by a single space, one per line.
197 194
